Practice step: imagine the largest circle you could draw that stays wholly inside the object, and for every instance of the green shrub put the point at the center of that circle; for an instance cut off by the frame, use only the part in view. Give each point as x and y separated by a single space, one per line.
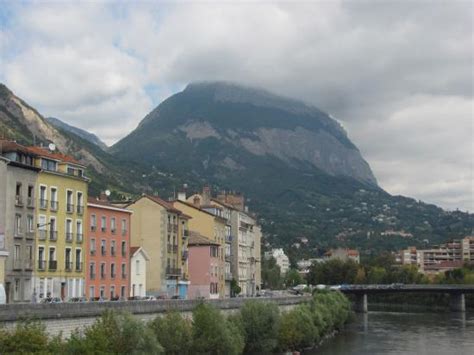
114 334
26 337
212 333
174 333
297 330
260 322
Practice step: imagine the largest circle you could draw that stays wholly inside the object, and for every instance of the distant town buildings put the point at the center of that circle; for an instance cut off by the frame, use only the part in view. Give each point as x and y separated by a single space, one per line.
343 254
281 259
57 243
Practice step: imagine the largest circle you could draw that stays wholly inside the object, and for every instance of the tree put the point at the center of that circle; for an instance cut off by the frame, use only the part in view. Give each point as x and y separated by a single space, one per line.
334 271
297 330
271 276
293 278
377 275
235 289
174 333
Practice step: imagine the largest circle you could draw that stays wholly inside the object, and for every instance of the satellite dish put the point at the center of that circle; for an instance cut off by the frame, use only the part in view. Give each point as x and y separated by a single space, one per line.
52 147
107 193
185 186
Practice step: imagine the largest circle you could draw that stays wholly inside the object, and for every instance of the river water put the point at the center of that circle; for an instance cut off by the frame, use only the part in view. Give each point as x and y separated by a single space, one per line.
404 333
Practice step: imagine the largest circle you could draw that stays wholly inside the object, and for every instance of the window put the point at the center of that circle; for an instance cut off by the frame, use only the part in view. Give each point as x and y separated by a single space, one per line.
16 257
102 292
112 248
124 249
93 222
52 263
68 262
43 197
92 270
91 292
69 201
103 223
137 267
92 246
68 230
112 270
31 191
102 270
41 257
18 197
80 203
124 271
18 225
112 225
124 226
54 198
29 257
79 234
30 224
78 259
16 291
112 292
47 164
103 247
122 292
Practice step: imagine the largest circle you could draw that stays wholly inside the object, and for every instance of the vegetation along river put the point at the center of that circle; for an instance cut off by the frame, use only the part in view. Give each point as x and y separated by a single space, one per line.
404 333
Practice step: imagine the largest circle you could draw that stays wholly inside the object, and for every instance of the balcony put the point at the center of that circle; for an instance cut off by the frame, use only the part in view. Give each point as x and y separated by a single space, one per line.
92 252
79 237
30 235
69 237
18 234
69 208
17 264
113 230
78 266
52 265
53 236
184 255
228 239
30 202
228 257
103 252
68 266
28 264
42 234
173 271
54 205
80 209
18 201
41 265
172 248
43 204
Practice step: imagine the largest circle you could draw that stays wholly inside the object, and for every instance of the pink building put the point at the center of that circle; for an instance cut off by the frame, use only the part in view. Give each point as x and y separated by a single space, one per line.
108 251
203 266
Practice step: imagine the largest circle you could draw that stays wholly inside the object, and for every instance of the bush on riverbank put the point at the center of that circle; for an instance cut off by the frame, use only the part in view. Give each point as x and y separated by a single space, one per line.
257 328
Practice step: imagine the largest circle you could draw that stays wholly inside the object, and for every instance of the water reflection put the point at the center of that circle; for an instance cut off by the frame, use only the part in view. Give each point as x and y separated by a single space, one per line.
404 333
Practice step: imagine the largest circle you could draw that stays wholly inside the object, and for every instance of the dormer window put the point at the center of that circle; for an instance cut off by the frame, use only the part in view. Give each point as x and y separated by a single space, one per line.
50 165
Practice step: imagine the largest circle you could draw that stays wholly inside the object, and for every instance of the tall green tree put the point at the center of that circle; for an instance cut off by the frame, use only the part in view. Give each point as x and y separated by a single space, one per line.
271 275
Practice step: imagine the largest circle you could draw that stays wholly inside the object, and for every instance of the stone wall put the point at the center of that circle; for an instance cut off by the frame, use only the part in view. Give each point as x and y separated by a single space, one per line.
66 317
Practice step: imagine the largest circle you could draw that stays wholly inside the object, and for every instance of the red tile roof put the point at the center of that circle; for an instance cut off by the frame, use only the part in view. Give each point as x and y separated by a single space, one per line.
168 205
197 239
56 156
11 146
133 250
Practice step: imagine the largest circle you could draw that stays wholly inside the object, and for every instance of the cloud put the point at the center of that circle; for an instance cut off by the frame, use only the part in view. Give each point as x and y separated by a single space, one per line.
397 74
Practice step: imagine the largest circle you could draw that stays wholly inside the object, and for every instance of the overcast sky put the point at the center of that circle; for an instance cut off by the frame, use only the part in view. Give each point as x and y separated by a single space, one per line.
398 74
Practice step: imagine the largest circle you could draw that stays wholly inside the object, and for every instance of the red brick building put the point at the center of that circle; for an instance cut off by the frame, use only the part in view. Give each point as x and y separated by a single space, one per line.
107 251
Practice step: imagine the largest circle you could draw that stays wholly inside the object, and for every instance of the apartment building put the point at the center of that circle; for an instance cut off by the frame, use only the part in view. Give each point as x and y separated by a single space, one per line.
107 250
162 230
281 259
204 264
212 227
468 249
18 178
61 192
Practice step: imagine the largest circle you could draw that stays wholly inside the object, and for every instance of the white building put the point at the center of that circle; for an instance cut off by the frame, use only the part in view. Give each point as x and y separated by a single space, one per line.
281 259
138 261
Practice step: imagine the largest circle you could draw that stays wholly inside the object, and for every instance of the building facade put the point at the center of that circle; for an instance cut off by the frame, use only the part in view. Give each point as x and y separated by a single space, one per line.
107 250
281 259
61 209
18 179
138 270
162 230
204 264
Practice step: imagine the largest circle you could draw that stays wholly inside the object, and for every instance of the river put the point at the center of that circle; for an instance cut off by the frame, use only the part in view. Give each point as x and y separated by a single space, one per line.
404 333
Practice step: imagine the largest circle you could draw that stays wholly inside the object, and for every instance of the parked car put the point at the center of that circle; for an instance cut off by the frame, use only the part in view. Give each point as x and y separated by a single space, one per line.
78 299
335 287
51 300
148 298
320 287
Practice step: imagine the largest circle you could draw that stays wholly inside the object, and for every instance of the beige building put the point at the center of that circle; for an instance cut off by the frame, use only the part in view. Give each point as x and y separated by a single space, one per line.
161 230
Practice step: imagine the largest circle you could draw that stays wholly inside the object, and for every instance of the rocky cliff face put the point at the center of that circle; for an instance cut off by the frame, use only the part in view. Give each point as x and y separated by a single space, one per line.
247 120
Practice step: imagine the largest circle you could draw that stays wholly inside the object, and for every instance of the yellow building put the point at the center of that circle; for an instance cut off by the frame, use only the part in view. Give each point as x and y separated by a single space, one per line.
210 226
60 216
161 230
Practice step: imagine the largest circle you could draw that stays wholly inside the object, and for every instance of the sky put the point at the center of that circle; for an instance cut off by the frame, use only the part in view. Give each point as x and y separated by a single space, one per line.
397 74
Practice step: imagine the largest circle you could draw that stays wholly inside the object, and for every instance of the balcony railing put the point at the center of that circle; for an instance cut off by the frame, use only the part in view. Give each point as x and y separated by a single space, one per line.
43 204
53 265
69 237
18 234
69 208
42 234
113 230
124 232
54 205
92 252
18 200
228 239
103 252
30 202
53 235
79 237
28 264
227 257
80 209
92 275
78 266
30 235
68 266
172 248
41 264
17 264
173 271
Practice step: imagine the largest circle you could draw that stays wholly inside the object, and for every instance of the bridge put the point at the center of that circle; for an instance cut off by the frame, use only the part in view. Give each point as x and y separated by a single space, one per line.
456 292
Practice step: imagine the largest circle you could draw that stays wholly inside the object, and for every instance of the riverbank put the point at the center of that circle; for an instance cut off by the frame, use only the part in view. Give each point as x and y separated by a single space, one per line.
258 327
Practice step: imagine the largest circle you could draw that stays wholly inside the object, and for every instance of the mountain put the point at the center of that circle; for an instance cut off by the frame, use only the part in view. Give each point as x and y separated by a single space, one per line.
296 165
77 131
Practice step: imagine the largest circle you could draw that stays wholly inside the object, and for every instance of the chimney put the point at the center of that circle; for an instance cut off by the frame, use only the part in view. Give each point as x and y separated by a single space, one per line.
182 196
197 201
206 195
